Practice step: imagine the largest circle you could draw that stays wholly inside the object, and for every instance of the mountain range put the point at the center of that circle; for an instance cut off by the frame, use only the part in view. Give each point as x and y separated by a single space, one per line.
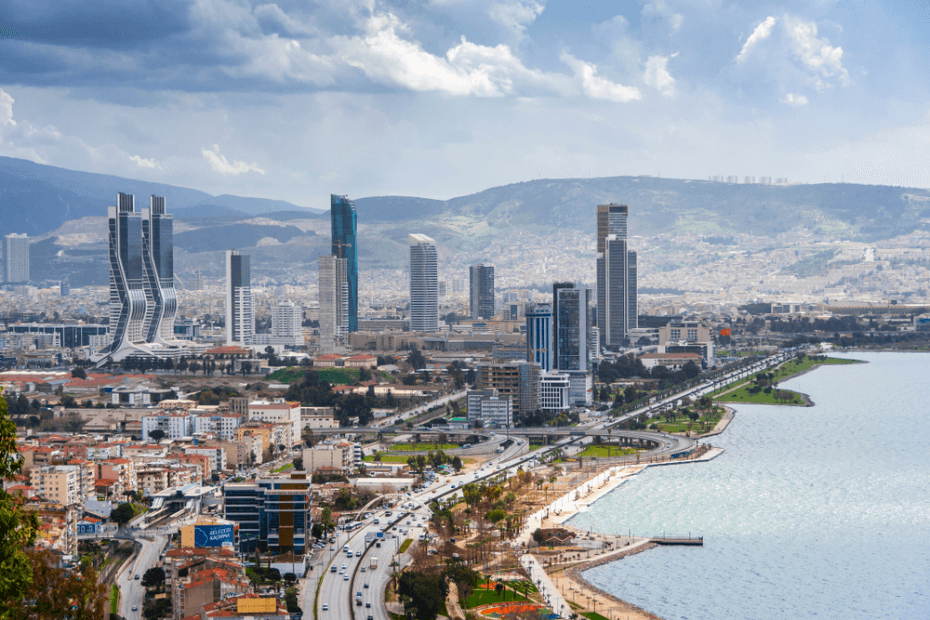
45 202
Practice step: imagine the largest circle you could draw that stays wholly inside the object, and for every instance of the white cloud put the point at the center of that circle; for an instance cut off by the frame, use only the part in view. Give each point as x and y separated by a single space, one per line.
792 99
466 69
657 74
597 87
816 54
144 163
516 15
6 108
220 164
659 8
762 32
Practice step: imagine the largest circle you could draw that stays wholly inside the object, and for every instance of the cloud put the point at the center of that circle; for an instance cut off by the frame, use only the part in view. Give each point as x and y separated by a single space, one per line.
659 9
220 164
6 108
466 69
597 87
762 32
516 15
792 99
816 54
144 163
657 74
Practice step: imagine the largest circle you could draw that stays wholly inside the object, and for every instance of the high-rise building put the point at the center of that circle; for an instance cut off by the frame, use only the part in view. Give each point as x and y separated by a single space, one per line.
240 312
571 330
345 245
424 284
161 300
517 379
287 323
539 335
272 513
127 290
616 276
15 258
334 303
481 285
490 407
555 319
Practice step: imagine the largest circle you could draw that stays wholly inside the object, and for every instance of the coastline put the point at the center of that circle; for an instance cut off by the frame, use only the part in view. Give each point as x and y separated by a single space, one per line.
573 573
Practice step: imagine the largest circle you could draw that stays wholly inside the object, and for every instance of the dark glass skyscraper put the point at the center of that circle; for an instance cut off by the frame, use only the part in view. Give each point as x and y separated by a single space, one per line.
345 245
481 283
127 290
616 276
158 267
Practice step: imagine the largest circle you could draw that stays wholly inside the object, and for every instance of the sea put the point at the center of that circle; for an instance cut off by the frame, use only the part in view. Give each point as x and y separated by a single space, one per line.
812 512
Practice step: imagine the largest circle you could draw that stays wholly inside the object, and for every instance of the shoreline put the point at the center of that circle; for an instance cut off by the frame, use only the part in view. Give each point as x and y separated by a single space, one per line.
574 572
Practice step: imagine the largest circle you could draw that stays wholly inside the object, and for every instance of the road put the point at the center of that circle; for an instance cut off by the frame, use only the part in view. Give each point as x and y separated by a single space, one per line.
131 590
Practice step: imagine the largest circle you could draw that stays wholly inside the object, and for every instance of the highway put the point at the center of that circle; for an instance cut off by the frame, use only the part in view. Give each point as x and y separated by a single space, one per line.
131 590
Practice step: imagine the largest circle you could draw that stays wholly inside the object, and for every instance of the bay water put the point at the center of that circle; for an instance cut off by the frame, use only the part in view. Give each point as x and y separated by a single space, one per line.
812 512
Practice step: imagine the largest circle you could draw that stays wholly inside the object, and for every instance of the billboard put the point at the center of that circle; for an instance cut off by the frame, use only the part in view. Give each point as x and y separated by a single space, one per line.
213 535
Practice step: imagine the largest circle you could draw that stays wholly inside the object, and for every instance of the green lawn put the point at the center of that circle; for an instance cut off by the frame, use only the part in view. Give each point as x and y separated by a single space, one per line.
786 371
602 451
333 376
486 597
682 423
282 468
406 544
114 599
388 458
422 447
593 615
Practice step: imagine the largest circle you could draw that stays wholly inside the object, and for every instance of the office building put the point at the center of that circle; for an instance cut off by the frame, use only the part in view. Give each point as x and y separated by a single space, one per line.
161 300
127 290
571 328
68 336
345 245
517 379
490 408
616 276
287 323
481 285
274 514
424 284
240 313
334 303
15 259
539 335
618 266
554 392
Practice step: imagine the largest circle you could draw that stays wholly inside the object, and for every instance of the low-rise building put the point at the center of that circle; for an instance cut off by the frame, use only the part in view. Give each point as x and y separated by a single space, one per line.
490 408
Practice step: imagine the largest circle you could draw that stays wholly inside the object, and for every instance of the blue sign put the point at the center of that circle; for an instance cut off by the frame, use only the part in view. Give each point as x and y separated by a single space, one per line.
212 535
380 534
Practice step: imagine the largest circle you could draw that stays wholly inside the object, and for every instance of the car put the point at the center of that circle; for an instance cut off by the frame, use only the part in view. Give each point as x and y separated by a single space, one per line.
135 608
368 605
358 554
343 567
325 607
138 577
363 569
345 577
366 585
378 545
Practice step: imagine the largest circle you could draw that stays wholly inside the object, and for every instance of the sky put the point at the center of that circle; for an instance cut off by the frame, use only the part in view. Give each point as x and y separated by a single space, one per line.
441 98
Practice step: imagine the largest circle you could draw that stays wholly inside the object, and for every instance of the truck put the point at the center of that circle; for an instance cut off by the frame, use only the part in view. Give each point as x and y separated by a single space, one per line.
374 562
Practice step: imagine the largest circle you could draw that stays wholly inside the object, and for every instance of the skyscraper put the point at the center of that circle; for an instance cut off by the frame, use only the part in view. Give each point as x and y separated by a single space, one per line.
240 313
334 303
286 323
345 245
481 281
571 330
127 291
616 290
539 335
555 319
424 284
161 300
15 258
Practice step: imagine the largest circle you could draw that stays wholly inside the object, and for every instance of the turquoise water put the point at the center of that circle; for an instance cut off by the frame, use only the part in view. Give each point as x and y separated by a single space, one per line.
812 512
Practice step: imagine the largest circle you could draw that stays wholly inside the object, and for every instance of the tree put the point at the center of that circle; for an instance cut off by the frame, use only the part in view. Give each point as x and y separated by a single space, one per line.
68 401
154 577
79 373
156 435
122 514
416 359
456 464
426 593
298 463
55 592
18 528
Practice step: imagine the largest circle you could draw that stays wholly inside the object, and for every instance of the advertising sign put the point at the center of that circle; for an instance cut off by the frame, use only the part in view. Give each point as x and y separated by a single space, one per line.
212 535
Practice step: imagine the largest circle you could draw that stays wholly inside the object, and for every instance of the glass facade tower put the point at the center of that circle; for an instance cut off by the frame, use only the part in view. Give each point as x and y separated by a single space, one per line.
424 284
345 245
158 270
481 281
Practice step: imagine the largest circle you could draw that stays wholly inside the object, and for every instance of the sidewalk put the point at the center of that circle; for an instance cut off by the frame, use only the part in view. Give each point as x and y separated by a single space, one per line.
547 589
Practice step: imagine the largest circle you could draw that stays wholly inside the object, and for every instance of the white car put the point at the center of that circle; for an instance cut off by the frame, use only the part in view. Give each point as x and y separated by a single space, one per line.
345 577
325 607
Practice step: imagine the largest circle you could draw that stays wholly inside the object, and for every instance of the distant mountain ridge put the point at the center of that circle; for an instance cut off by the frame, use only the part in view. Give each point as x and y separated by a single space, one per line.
36 199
